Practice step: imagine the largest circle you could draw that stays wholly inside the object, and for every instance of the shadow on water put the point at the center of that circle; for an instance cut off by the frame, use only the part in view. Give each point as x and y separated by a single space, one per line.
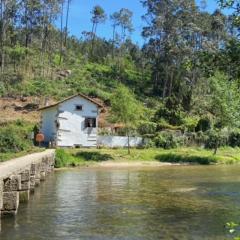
93 156
175 158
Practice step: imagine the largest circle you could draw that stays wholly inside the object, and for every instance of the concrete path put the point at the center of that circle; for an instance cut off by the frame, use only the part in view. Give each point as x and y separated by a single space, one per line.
19 164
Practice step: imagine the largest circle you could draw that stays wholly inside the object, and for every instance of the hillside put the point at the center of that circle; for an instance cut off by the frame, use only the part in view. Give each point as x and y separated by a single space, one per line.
185 77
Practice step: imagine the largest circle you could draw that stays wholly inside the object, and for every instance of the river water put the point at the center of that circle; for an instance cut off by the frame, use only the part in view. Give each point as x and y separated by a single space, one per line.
182 202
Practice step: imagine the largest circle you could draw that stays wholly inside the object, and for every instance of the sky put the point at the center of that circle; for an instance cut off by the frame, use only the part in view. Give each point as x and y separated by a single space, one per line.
79 16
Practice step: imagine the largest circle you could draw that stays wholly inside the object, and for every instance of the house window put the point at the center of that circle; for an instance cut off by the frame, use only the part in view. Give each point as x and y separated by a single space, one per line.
90 123
79 108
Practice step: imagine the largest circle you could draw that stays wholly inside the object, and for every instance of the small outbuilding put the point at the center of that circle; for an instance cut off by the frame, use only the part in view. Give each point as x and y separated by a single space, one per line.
72 122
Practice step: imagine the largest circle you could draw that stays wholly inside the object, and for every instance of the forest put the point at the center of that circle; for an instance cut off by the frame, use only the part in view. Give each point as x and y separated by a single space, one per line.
184 78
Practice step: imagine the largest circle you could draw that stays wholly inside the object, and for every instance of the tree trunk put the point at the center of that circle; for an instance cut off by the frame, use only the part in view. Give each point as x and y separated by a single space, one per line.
165 82
170 84
66 26
113 41
128 141
61 37
2 36
215 149
94 30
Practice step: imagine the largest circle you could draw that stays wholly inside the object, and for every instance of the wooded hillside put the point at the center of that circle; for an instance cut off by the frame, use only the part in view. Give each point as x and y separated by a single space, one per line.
185 76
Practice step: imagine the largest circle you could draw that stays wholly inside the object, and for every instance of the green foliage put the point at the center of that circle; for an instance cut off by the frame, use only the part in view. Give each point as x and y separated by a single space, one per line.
125 108
234 139
235 5
87 157
14 137
185 84
171 111
146 127
190 123
178 158
224 101
233 229
93 156
203 125
215 139
98 15
200 138
162 124
166 140
63 159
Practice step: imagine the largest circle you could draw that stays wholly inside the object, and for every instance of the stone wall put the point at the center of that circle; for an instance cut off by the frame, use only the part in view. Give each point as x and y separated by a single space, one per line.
20 176
119 141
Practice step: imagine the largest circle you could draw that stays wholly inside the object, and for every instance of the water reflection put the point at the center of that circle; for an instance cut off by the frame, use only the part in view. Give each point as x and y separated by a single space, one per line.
165 203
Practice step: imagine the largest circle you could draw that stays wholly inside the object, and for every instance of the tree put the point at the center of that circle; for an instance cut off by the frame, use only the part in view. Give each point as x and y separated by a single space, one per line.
66 24
62 32
8 12
178 35
125 109
218 96
98 16
125 21
235 6
30 18
115 22
122 19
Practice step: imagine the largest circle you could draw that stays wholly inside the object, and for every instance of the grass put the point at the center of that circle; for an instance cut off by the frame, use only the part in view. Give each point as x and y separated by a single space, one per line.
7 156
83 157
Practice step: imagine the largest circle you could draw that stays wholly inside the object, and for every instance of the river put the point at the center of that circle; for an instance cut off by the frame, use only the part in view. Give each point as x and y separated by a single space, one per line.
177 202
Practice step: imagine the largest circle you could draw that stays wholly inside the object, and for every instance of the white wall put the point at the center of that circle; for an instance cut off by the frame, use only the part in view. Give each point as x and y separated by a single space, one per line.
117 141
48 124
72 130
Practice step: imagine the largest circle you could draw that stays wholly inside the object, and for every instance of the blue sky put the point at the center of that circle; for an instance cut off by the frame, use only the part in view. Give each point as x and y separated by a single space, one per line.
79 19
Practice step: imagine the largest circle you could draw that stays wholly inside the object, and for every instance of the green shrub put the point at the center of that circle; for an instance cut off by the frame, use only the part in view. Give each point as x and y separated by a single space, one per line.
165 140
149 144
93 156
215 139
14 137
178 158
190 123
234 139
147 128
63 158
171 111
162 125
200 138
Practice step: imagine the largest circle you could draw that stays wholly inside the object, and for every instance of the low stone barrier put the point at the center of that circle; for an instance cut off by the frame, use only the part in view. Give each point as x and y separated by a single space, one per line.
20 176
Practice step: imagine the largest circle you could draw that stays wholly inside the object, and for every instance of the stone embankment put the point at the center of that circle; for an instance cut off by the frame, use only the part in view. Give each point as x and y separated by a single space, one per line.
20 176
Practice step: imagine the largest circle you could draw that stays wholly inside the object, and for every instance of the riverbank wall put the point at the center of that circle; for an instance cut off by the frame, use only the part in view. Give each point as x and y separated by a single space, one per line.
20 176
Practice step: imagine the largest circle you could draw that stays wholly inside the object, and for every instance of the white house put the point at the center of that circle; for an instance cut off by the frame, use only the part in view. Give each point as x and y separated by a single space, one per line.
72 122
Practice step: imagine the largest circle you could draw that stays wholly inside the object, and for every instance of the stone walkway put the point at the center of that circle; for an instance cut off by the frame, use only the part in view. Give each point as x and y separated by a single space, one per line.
18 164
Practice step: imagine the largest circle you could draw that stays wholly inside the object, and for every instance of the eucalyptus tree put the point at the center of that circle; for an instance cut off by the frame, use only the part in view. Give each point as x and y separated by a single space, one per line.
125 22
115 23
66 23
178 34
31 18
125 109
122 19
98 17
50 10
235 6
171 34
8 15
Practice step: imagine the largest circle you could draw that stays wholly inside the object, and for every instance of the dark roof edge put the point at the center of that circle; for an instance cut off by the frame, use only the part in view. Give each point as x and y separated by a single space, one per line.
66 99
